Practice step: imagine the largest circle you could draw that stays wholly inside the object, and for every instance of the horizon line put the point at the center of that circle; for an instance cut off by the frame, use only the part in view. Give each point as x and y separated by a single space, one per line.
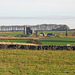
40 17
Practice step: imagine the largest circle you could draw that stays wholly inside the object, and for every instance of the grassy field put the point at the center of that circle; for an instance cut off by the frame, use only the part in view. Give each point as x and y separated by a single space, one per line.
58 41
45 40
35 62
49 41
14 33
58 32
19 41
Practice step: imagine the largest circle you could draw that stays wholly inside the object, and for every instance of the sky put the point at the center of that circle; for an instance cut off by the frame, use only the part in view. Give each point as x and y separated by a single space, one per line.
37 8
42 9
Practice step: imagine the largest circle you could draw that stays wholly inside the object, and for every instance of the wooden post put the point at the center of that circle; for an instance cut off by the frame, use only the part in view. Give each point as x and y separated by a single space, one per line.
36 33
66 31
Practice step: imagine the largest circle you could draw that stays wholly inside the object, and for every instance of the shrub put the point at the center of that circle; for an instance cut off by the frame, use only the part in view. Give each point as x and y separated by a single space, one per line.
21 35
34 41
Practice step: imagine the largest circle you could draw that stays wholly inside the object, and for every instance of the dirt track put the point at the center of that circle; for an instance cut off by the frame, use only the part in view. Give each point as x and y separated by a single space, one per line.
14 43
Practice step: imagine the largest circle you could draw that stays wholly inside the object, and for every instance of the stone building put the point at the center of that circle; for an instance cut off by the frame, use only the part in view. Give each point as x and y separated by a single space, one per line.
28 31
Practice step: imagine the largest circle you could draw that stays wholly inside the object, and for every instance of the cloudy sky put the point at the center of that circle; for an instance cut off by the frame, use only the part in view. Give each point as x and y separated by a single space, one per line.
37 8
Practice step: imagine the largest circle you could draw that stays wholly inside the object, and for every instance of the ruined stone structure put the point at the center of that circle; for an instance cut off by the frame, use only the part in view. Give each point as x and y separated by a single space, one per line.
28 31
25 30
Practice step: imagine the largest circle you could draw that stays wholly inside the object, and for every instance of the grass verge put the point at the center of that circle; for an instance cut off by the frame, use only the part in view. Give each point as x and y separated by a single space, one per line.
35 62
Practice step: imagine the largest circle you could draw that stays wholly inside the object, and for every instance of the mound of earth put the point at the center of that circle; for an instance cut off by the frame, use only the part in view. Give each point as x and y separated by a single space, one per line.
22 35
34 41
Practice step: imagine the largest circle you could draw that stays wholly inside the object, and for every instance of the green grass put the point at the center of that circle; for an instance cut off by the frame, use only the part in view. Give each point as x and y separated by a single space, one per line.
11 33
58 32
49 41
21 32
19 41
37 62
57 41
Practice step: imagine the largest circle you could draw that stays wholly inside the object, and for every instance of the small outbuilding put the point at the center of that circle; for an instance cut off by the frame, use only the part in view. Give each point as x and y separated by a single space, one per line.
50 34
42 34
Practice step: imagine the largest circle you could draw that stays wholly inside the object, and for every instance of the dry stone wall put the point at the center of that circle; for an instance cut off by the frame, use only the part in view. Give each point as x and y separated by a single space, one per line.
28 47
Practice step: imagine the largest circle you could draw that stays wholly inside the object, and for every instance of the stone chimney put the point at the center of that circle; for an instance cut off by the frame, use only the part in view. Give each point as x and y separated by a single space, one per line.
24 30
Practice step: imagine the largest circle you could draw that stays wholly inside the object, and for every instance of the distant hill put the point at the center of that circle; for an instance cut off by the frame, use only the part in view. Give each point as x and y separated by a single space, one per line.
50 27
35 27
72 29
